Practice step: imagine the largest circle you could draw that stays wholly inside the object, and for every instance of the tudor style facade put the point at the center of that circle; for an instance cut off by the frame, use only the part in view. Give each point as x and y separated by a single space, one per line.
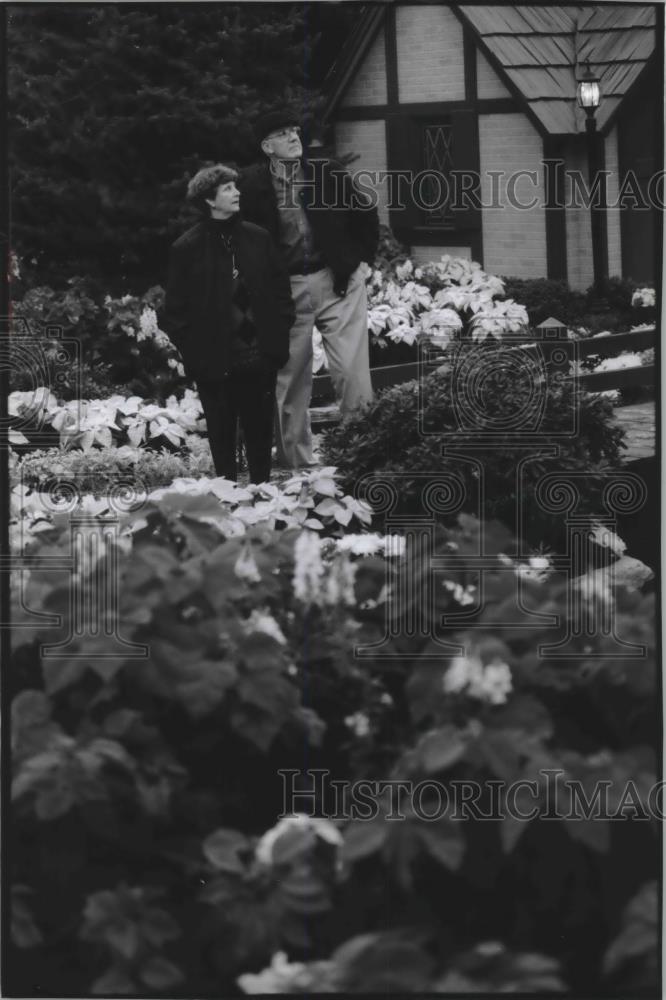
491 92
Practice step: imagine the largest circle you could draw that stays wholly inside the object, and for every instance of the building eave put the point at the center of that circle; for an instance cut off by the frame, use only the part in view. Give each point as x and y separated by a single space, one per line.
353 52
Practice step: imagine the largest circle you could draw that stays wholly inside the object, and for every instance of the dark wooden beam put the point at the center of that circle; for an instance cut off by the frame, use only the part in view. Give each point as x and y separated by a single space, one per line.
487 106
359 113
469 54
556 233
391 58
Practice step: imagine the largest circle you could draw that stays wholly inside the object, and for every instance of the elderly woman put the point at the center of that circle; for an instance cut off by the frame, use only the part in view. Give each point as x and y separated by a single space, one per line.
229 310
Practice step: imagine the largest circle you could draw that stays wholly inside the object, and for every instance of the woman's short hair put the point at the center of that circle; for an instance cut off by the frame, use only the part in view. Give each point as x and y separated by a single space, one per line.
205 183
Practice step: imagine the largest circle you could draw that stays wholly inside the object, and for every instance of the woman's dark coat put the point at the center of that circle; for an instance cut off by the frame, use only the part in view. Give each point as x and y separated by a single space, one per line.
197 310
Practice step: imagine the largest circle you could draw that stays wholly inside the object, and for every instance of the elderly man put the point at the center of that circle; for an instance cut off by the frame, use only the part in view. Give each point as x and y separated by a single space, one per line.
325 228
228 310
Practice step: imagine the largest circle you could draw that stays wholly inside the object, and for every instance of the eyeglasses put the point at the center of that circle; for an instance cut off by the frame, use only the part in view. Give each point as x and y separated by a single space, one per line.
284 133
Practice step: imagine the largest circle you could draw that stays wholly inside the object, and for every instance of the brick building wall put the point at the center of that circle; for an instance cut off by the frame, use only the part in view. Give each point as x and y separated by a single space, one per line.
369 85
613 214
430 54
488 84
514 239
423 255
367 140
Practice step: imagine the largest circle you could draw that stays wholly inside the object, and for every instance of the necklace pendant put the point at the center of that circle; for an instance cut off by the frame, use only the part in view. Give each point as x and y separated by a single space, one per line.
234 273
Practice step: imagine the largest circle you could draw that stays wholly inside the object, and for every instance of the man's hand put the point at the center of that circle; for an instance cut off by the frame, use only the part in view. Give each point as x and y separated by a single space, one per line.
340 286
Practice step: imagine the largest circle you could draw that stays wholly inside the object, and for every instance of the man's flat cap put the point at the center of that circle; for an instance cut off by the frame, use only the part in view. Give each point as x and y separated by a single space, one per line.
273 121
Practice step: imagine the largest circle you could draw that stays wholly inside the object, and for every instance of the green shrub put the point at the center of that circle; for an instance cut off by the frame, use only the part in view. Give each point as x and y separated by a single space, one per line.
389 251
114 354
544 297
97 470
386 437
606 308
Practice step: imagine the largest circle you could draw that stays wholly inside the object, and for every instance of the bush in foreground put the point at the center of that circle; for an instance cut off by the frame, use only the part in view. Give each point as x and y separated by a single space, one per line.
145 859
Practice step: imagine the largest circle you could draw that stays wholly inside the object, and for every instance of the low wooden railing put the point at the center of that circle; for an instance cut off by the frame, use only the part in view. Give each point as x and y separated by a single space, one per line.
604 347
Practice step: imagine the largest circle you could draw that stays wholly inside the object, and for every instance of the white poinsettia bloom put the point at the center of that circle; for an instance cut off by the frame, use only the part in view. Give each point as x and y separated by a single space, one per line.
89 504
359 723
463 595
319 359
596 586
361 545
308 568
278 977
416 295
606 538
460 673
643 297
440 325
264 622
392 294
495 684
338 587
246 567
452 297
161 340
404 271
537 568
400 315
491 683
378 318
498 318
39 400
394 546
130 405
319 826
402 334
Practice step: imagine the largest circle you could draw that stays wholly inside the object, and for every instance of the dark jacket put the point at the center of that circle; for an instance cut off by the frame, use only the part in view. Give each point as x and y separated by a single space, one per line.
197 309
344 223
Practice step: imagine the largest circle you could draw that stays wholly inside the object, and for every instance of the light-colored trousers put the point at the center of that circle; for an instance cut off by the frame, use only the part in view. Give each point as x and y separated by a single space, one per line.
343 324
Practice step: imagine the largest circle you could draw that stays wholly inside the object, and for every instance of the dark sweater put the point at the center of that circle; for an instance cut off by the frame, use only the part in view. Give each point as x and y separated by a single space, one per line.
344 225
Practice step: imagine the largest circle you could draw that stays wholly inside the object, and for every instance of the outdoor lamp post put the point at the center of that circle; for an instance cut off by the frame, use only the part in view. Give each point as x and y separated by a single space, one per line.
589 98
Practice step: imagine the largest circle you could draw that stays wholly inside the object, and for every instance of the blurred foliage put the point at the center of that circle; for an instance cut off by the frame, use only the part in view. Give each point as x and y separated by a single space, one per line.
145 855
113 108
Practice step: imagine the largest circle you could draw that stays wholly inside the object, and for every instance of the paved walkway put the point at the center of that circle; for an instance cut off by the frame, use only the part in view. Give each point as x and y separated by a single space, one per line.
638 421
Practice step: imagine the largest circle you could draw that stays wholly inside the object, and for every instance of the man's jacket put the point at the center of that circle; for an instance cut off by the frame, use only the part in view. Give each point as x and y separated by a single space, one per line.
198 306
344 223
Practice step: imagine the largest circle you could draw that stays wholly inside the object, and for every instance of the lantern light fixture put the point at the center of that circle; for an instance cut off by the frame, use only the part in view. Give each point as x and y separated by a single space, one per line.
589 94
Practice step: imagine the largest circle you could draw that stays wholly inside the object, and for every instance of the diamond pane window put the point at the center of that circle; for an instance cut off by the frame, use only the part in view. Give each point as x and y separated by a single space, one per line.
434 194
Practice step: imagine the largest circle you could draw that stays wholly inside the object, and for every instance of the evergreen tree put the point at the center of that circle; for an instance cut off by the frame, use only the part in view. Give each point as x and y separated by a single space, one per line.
112 109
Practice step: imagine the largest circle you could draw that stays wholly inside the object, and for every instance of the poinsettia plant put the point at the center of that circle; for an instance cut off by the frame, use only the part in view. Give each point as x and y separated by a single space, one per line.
117 420
446 299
